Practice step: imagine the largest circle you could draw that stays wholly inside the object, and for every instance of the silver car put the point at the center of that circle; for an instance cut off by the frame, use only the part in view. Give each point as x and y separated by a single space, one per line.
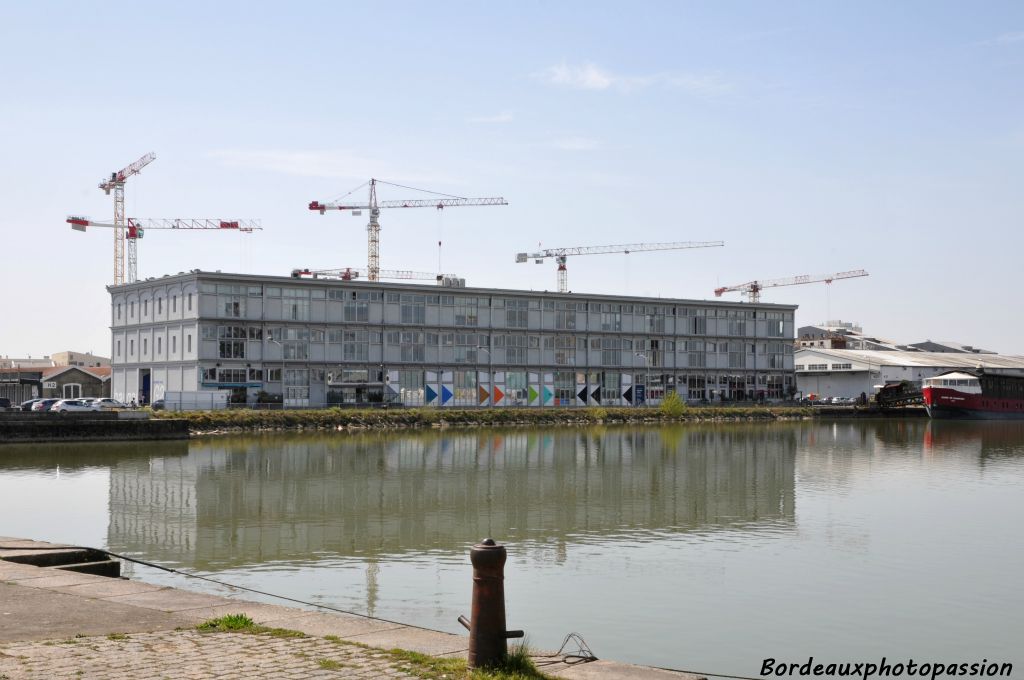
107 403
71 405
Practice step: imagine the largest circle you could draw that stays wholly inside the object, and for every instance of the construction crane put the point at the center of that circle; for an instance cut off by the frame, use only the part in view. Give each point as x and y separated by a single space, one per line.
374 206
116 184
752 289
136 228
352 273
560 254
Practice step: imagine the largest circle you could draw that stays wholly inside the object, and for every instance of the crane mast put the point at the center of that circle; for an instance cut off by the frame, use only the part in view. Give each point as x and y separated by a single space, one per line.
374 206
116 184
752 289
135 227
561 254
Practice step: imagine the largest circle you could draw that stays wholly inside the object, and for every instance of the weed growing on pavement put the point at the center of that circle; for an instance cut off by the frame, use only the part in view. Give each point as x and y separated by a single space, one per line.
330 664
240 623
117 636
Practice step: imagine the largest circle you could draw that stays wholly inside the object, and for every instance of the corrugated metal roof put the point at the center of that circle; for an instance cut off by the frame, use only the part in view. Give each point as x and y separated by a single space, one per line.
924 359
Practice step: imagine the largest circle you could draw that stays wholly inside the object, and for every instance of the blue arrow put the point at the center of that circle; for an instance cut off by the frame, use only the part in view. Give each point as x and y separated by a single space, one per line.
446 394
431 394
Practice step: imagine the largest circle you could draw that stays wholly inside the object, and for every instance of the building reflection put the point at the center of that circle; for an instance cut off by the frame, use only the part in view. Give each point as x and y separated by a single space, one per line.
245 501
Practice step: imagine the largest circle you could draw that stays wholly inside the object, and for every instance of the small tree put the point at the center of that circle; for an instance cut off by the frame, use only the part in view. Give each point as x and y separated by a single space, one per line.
673 405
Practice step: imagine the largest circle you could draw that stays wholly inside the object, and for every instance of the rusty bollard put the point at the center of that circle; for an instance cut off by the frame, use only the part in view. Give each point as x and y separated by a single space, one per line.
487 632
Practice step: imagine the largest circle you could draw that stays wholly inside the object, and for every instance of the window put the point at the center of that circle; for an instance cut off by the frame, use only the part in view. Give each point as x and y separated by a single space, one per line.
516 313
611 321
817 367
412 346
842 367
466 312
159 345
159 305
231 342
118 311
145 307
131 309
413 308
357 311
174 344
145 346
231 305
131 348
274 374
190 302
189 338
174 303
118 348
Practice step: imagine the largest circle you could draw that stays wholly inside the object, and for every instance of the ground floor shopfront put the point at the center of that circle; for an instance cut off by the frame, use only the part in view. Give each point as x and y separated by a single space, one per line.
293 386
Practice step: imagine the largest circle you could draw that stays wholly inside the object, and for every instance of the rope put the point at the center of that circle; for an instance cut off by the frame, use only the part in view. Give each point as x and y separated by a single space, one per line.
222 583
426 191
350 193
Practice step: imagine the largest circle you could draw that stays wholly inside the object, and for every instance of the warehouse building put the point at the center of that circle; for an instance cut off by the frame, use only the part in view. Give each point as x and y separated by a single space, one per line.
848 373
206 339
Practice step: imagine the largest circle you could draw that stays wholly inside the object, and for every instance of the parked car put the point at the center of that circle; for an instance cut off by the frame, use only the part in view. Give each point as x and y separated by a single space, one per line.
72 405
5 403
158 405
27 405
108 403
44 404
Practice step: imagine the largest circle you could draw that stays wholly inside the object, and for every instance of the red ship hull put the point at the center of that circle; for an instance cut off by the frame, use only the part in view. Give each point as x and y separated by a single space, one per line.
949 403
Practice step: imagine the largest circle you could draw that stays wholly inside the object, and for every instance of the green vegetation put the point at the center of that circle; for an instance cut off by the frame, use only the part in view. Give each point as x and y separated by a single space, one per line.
330 664
672 405
672 410
240 623
517 665
117 636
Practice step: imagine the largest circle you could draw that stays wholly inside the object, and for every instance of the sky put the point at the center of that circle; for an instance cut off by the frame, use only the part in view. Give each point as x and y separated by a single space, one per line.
810 137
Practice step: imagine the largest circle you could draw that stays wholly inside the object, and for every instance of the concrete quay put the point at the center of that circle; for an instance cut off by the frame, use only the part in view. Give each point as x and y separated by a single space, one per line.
57 623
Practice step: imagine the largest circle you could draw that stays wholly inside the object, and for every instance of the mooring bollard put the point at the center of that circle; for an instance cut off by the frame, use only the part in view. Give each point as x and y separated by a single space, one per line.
487 632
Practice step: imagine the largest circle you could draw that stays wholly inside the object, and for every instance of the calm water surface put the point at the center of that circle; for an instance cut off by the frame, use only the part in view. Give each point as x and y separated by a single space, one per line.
700 547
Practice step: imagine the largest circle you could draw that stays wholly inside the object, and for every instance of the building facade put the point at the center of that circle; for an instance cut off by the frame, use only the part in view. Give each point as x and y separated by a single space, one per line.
848 373
191 338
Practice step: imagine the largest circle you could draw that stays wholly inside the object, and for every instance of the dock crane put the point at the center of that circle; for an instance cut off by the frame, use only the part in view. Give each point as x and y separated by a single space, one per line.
116 184
374 206
136 228
352 273
560 254
752 289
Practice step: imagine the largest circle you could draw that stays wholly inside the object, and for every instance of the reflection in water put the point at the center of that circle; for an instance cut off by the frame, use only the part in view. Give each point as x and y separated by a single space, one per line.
991 439
233 502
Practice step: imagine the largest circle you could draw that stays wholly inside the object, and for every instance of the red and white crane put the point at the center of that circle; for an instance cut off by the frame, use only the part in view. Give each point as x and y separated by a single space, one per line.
374 206
137 226
752 289
352 273
116 184
560 254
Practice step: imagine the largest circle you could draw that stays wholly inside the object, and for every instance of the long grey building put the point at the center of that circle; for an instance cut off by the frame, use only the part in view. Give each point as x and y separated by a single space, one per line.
204 339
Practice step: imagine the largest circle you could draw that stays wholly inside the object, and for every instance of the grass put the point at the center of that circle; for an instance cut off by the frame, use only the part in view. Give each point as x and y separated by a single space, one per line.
117 636
335 418
240 623
517 665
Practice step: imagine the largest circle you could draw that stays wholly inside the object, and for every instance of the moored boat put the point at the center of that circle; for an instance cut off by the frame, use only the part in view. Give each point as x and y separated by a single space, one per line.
969 396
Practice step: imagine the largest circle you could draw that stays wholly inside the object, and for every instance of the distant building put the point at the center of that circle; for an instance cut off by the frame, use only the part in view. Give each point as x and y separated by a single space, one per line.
79 359
948 346
26 362
60 382
843 335
847 373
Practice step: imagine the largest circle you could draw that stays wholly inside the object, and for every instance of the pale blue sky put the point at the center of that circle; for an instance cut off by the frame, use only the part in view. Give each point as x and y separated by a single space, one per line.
810 137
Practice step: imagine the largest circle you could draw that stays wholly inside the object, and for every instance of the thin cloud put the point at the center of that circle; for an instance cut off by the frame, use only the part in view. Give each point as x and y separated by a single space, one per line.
323 164
576 144
503 117
589 76
1005 39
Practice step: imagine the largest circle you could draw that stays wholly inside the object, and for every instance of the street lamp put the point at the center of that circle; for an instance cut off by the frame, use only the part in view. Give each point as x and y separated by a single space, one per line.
647 373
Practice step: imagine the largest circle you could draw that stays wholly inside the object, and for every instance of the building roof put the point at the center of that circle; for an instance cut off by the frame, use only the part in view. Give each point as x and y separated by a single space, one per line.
260 279
921 359
47 372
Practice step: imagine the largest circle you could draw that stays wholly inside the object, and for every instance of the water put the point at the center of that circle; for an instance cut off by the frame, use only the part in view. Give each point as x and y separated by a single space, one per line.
704 547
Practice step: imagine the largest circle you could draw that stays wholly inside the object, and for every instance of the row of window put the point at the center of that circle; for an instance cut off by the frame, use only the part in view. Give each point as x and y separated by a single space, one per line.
159 346
159 304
